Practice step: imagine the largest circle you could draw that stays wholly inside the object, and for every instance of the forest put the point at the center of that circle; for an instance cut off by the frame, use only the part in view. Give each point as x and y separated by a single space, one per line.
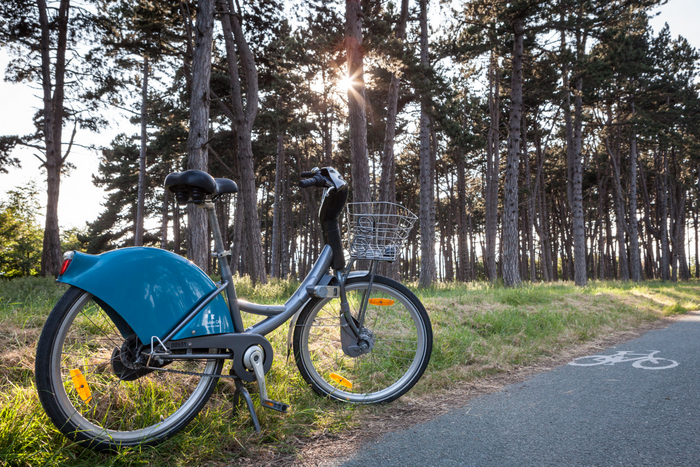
536 140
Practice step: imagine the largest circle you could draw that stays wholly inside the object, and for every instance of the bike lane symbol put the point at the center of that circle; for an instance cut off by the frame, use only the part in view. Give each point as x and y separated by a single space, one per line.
647 361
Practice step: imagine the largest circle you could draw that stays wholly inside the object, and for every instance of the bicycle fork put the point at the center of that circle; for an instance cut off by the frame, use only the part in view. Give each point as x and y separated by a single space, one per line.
354 337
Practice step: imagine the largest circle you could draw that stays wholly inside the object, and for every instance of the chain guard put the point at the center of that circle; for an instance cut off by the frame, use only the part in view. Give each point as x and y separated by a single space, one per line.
238 343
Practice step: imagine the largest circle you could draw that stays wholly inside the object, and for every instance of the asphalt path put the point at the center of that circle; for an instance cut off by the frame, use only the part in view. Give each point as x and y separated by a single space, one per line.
606 414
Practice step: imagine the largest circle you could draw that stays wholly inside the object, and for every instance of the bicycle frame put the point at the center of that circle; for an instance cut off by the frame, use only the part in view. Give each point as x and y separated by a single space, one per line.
185 309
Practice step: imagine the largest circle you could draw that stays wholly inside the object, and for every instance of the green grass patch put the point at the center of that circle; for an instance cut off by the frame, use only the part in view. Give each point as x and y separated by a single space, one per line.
479 330
675 309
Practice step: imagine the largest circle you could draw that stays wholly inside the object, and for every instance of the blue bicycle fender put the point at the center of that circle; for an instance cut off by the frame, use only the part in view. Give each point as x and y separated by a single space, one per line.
150 290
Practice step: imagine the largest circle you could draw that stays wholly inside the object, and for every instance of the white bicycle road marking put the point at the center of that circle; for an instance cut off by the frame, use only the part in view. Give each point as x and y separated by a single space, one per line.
644 361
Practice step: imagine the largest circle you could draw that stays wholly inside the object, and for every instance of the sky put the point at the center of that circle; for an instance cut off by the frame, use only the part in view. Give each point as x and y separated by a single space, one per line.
80 201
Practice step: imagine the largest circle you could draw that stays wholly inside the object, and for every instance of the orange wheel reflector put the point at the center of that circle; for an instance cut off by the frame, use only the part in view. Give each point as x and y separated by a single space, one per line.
381 301
340 380
81 385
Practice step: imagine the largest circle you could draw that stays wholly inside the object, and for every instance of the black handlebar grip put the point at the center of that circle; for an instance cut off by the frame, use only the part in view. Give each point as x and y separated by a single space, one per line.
306 174
307 183
316 180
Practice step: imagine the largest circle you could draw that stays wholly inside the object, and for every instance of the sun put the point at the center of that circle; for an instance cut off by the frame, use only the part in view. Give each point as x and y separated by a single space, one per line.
344 83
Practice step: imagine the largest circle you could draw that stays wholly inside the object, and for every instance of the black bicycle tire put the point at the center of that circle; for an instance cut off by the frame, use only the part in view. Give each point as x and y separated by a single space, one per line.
308 312
64 421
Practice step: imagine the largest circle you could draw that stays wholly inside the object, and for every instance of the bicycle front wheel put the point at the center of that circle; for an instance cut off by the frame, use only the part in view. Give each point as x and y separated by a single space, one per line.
655 364
94 393
401 342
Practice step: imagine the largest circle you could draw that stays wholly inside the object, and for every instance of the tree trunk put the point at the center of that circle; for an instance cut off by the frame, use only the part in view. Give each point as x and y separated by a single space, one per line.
198 156
165 216
285 226
357 118
427 172
511 273
601 240
278 207
53 125
665 260
387 183
530 206
574 162
244 116
620 224
696 214
492 170
462 246
141 199
683 271
635 264
540 198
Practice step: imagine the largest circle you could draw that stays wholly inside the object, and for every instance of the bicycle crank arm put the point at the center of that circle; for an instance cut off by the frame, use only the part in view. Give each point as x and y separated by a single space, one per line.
253 360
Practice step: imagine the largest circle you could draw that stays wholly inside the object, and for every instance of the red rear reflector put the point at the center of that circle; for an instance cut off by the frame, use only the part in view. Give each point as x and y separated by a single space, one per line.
66 263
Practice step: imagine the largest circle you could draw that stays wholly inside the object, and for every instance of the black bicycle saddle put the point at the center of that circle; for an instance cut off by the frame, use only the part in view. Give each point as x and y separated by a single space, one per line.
197 185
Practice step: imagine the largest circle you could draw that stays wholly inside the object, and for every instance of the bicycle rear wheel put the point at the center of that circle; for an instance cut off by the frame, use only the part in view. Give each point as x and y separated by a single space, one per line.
95 395
591 360
401 344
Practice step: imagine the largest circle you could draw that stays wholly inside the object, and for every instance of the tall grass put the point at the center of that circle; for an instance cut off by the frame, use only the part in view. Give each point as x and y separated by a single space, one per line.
479 330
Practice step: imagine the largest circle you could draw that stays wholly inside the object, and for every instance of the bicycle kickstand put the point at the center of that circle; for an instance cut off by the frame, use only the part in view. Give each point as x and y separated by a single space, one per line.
242 391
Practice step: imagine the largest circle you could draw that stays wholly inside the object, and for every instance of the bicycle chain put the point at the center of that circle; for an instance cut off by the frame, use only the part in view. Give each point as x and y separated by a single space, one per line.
191 373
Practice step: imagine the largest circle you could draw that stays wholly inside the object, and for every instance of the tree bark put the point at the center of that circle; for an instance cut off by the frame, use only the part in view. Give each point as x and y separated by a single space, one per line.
697 243
275 270
511 272
683 271
141 197
165 216
244 116
198 155
621 227
53 96
285 226
492 169
664 195
462 246
387 183
574 160
427 172
530 206
356 102
635 263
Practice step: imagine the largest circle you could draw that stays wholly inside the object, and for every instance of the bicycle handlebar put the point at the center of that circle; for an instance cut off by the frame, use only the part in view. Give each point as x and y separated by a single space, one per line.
316 180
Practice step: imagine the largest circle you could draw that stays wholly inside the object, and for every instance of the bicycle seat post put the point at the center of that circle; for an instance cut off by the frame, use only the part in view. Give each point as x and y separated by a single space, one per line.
222 254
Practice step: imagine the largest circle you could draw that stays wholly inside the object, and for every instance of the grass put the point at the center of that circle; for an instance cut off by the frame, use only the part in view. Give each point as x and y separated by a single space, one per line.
479 330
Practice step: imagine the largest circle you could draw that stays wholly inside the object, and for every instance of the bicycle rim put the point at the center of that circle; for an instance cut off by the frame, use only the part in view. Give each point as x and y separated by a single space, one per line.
113 412
399 355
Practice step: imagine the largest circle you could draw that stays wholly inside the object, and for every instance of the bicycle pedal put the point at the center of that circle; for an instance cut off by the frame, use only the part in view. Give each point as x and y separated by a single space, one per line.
274 405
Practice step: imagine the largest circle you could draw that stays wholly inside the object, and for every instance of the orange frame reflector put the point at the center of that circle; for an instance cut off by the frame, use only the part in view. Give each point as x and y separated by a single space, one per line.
340 380
381 301
81 385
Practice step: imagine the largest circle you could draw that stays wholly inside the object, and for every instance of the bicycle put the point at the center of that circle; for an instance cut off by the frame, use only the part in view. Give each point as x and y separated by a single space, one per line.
641 360
133 350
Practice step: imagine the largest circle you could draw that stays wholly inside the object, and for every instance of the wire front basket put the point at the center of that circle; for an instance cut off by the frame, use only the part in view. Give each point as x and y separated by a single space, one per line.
378 230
